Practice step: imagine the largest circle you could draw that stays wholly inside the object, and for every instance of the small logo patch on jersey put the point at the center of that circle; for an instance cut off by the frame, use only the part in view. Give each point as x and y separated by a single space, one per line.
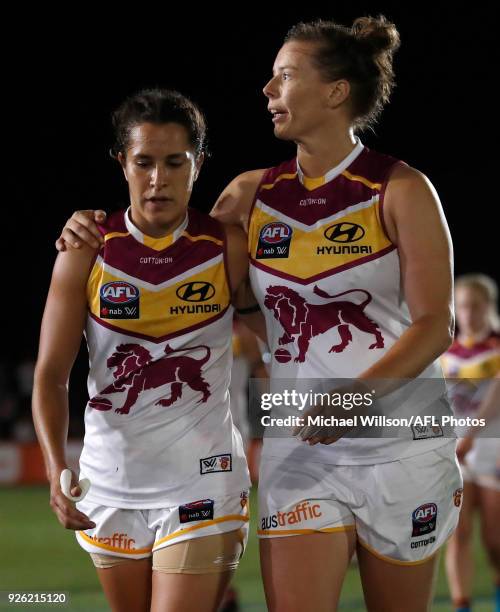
119 300
344 232
202 510
274 241
217 463
424 432
196 291
424 519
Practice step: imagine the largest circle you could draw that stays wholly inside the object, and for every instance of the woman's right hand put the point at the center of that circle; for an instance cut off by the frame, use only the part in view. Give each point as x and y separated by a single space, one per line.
81 228
67 513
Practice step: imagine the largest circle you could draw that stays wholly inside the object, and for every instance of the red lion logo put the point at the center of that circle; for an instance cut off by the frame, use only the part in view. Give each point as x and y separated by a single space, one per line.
135 372
304 321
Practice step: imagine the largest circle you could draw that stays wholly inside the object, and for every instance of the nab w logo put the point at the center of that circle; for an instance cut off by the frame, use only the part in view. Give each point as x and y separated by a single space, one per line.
216 463
344 232
197 291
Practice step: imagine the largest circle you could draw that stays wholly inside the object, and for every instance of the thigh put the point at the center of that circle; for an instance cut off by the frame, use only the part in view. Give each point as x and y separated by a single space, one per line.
306 532
489 509
193 574
123 542
392 587
188 592
305 572
127 586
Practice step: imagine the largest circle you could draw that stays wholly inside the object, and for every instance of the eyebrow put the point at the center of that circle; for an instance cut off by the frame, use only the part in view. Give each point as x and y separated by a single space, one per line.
179 154
288 67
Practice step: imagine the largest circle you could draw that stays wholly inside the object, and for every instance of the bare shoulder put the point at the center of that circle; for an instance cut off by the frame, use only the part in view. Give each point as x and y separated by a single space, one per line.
72 267
407 183
410 198
234 203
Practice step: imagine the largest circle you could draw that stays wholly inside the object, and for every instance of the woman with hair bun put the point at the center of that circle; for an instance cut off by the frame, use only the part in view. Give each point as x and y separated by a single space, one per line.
351 264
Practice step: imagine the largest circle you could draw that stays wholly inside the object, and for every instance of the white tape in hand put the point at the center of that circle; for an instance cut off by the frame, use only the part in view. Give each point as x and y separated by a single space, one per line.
65 481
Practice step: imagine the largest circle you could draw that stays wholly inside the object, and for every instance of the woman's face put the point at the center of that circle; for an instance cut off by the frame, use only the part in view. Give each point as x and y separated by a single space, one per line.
472 310
160 168
299 100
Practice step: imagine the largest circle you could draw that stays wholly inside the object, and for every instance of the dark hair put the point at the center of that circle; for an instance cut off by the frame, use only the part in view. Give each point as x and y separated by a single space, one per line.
361 54
158 106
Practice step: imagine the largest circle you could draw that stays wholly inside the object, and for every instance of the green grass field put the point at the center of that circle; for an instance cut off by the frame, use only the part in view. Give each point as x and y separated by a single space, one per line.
38 554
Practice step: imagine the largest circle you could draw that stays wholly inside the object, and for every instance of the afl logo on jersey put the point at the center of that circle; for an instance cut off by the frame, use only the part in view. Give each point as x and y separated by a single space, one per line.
424 519
119 292
344 232
119 300
275 233
274 241
197 291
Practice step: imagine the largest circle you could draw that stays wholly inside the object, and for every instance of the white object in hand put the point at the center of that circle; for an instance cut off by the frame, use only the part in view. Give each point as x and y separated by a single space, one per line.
65 480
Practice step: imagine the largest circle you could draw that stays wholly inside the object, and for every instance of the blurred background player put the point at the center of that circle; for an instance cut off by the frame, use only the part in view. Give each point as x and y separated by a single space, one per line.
474 358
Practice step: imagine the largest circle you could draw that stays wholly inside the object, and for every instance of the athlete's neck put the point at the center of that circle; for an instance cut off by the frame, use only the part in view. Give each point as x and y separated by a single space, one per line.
156 230
322 152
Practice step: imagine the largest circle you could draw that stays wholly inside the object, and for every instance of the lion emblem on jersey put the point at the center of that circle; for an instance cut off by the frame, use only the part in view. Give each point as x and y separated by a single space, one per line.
303 321
135 371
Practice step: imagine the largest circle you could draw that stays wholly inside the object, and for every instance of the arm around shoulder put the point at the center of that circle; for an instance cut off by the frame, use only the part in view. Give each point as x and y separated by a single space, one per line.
235 202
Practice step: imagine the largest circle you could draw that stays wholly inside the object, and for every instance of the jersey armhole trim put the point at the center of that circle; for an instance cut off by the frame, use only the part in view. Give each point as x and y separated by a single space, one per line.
397 164
256 195
226 264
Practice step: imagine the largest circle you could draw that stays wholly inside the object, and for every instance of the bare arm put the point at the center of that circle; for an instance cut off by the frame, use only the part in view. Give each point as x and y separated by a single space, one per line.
251 350
235 202
243 297
60 338
416 223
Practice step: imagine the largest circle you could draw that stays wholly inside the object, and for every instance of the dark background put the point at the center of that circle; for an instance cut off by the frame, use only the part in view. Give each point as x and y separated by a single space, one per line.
63 85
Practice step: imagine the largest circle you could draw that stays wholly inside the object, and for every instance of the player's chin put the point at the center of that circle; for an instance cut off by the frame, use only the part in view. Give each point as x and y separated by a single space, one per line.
164 214
283 131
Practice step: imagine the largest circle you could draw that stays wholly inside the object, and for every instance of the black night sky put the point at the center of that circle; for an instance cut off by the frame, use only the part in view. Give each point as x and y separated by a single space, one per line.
63 86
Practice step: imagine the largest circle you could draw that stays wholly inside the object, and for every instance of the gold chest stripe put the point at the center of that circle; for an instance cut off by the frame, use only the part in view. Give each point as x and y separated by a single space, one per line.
362 179
115 235
281 177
